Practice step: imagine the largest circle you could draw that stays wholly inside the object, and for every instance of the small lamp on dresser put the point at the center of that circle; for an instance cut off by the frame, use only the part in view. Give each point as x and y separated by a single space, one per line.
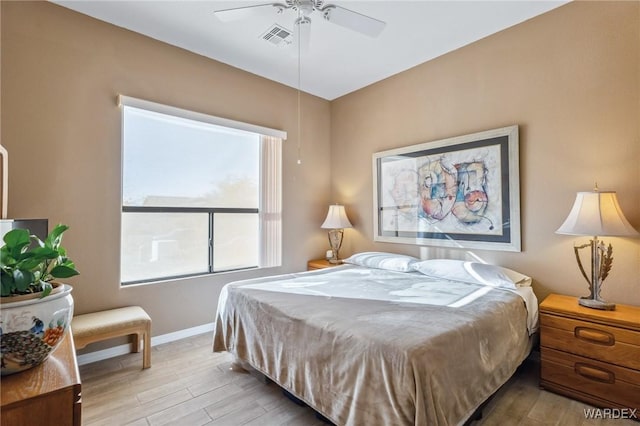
596 213
335 222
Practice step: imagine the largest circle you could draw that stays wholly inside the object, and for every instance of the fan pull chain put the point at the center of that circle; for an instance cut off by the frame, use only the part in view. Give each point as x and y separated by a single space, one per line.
299 103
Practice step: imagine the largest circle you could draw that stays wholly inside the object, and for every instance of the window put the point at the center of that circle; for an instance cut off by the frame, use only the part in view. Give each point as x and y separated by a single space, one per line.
200 194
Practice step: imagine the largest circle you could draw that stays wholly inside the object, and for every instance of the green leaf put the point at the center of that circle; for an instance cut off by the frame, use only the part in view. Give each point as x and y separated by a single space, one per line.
16 242
6 259
21 257
7 284
45 253
23 279
46 288
17 237
54 238
67 262
62 271
29 263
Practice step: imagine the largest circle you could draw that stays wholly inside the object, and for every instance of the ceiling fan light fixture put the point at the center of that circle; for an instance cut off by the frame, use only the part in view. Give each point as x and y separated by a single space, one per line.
306 7
302 20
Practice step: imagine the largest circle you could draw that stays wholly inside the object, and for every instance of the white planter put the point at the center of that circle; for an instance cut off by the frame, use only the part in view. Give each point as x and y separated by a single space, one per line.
31 328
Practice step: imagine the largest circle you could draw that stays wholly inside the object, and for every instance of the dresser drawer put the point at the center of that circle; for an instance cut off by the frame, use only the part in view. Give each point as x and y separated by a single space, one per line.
606 382
610 344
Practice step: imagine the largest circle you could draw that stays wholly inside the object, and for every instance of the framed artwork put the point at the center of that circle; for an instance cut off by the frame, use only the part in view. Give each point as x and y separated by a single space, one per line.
461 192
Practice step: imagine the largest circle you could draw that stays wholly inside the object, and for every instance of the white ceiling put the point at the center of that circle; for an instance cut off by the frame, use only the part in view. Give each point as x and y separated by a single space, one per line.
338 60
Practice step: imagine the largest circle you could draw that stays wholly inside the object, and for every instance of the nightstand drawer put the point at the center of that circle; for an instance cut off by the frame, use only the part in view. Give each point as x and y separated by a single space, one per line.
320 264
610 344
603 381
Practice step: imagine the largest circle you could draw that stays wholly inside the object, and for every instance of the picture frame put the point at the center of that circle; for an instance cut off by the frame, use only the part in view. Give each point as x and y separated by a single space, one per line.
460 192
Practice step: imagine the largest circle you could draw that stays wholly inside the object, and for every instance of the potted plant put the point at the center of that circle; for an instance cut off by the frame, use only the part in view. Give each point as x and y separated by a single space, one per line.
36 310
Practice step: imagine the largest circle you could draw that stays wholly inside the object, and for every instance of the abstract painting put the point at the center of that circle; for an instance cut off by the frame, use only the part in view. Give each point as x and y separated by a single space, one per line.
460 192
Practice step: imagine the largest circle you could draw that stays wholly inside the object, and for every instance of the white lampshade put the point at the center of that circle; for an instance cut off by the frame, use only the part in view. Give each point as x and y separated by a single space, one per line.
336 218
597 213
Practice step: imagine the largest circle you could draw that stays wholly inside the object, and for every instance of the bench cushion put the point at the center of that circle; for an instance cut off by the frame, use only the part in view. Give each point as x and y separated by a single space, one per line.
103 322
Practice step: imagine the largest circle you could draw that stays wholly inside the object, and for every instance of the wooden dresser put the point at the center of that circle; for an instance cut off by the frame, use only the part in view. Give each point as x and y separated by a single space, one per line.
46 395
589 354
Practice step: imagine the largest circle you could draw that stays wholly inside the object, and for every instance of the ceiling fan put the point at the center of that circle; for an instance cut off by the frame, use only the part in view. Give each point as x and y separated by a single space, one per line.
332 13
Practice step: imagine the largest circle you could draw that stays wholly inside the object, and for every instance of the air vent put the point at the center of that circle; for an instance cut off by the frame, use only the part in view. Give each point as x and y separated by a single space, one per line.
278 36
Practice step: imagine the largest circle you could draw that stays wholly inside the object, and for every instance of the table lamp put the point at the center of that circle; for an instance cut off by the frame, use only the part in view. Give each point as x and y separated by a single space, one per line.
596 213
335 222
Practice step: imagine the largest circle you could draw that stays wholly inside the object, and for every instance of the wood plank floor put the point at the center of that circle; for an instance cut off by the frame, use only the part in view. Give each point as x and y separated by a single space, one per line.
189 385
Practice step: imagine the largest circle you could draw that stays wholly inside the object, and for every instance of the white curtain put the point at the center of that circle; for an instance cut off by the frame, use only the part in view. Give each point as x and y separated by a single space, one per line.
270 201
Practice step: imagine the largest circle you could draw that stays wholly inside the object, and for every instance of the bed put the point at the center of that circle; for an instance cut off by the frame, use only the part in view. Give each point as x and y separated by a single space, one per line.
388 341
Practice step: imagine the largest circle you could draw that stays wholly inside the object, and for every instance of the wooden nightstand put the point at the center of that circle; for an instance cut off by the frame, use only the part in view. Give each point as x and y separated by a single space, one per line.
590 355
320 264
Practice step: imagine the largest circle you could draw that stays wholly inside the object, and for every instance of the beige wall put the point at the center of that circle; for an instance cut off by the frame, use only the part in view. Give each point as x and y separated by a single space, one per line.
61 73
570 79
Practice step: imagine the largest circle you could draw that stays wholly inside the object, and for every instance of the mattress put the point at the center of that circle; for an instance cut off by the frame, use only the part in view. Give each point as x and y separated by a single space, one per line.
378 347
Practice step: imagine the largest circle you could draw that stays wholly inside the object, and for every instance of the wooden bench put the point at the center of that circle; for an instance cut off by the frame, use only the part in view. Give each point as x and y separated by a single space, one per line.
98 326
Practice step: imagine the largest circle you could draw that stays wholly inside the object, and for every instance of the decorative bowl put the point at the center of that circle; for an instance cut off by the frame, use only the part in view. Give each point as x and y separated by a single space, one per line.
32 327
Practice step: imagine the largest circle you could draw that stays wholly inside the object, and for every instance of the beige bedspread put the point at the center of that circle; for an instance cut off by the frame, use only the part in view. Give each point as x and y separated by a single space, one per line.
369 361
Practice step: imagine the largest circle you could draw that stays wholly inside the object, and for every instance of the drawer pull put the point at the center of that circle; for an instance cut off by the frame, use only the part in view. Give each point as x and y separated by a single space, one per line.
595 336
594 373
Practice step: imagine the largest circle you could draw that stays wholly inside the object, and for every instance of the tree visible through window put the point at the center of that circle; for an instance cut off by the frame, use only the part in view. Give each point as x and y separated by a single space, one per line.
191 195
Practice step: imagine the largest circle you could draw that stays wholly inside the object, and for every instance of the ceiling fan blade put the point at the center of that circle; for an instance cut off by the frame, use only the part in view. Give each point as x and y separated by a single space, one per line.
227 15
353 20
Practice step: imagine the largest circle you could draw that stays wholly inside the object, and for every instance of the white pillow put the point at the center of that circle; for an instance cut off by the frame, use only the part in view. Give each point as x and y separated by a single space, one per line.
472 272
381 260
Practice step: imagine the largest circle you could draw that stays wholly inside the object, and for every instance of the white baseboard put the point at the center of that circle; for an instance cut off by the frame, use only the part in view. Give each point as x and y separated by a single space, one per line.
156 340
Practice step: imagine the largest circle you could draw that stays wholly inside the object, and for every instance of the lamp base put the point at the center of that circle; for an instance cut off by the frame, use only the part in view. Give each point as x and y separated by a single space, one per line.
596 304
335 241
